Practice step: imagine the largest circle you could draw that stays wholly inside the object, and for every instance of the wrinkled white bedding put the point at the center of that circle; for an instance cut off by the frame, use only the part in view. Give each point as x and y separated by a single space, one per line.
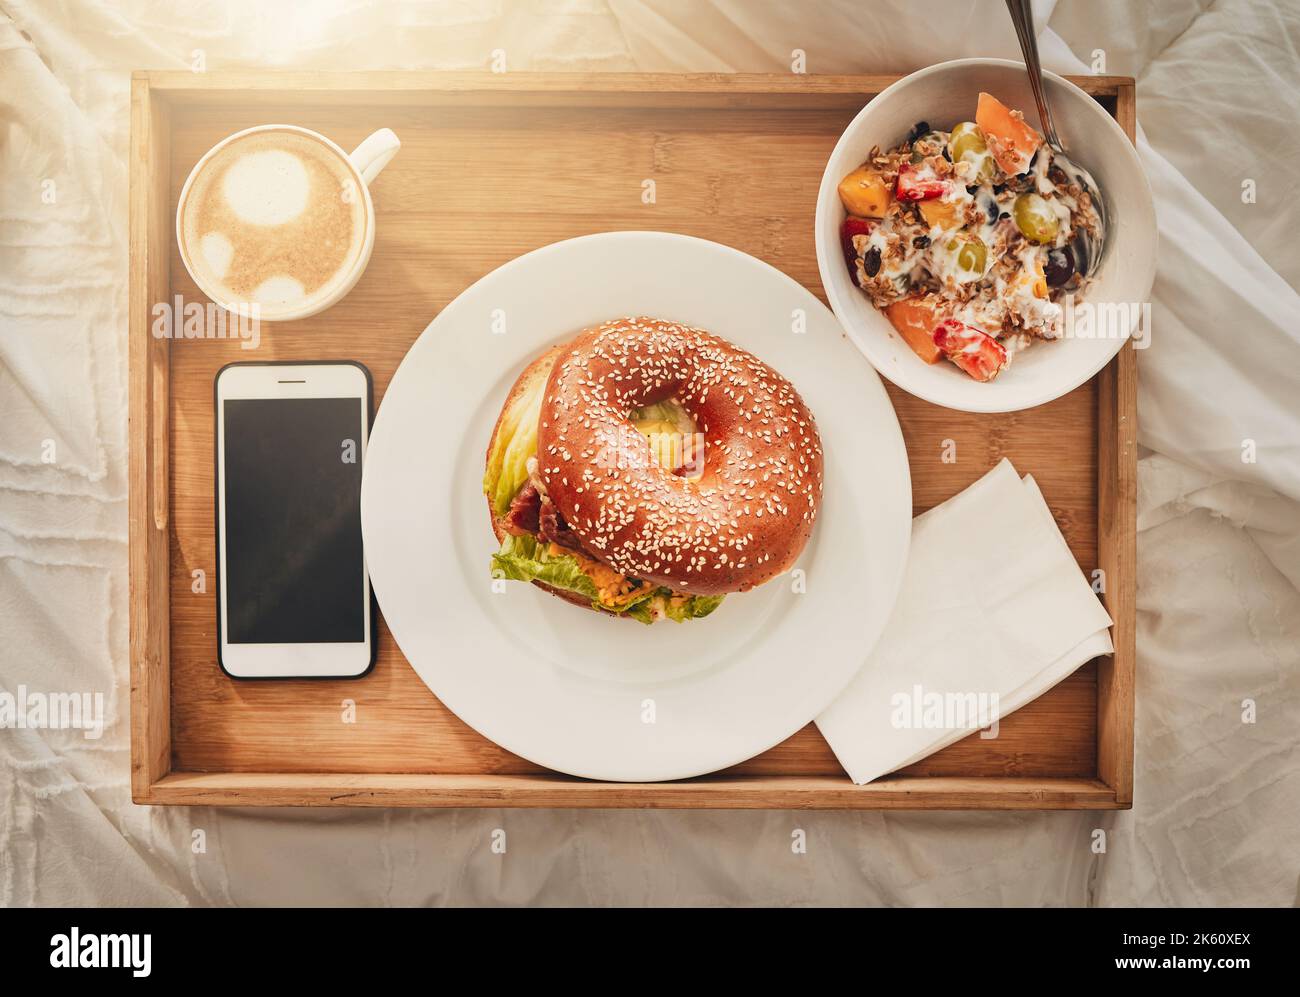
1217 812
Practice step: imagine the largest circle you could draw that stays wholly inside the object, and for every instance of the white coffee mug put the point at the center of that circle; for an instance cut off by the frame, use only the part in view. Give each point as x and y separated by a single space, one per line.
364 163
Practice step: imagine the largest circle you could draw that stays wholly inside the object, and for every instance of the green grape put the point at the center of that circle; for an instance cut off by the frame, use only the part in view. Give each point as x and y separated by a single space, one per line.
1035 218
965 137
933 139
967 143
972 254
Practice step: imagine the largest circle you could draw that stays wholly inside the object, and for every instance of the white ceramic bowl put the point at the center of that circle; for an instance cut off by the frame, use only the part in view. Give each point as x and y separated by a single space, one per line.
944 95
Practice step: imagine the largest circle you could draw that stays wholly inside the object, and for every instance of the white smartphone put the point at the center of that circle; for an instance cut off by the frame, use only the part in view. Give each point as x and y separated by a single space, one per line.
294 595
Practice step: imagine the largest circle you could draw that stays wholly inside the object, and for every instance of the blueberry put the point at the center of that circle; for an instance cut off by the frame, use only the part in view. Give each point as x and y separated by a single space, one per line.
918 129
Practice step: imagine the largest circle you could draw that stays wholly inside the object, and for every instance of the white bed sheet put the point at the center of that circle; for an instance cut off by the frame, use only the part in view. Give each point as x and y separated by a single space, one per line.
1217 813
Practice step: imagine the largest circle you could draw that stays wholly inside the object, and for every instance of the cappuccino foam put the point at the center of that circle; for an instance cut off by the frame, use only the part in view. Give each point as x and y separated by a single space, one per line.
273 218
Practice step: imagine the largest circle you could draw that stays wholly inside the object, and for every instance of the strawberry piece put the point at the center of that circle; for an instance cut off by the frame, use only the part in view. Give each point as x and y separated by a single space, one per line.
912 187
852 226
977 353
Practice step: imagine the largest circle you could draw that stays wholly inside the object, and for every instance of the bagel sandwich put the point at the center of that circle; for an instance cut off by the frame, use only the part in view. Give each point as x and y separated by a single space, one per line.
646 469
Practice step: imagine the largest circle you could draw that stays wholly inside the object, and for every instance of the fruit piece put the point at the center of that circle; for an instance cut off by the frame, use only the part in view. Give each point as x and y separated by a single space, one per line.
871 261
1030 276
941 213
1012 142
972 255
913 187
1060 266
966 144
1035 218
965 137
851 227
915 320
1040 279
977 353
918 129
864 194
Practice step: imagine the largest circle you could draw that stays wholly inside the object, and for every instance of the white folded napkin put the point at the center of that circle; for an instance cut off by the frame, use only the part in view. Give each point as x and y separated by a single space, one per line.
993 612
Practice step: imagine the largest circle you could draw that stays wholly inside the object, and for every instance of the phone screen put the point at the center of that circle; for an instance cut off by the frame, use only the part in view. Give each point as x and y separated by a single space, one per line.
294 556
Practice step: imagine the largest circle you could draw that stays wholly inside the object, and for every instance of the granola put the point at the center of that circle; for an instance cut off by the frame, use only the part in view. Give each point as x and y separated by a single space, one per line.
968 240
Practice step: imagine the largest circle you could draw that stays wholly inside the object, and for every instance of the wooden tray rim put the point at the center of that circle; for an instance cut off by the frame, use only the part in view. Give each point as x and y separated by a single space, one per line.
152 779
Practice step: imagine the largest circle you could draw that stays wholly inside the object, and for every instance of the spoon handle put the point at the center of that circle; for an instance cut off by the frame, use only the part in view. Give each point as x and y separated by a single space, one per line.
1022 16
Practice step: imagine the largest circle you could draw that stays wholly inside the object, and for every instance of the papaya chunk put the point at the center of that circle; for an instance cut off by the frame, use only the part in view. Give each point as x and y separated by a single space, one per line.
941 213
915 319
865 194
1011 141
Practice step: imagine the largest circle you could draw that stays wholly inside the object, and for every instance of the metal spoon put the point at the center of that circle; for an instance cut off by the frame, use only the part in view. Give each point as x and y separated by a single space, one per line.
1086 247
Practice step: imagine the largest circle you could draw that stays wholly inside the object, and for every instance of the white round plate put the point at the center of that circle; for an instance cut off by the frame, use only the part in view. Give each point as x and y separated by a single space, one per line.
578 691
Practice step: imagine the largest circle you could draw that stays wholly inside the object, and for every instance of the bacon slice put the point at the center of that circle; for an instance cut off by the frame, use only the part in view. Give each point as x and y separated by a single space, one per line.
553 529
532 513
525 508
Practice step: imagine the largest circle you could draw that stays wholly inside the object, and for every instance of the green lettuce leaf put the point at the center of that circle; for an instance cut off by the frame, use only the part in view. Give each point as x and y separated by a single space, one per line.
526 559
694 608
639 603
662 607
507 470
643 610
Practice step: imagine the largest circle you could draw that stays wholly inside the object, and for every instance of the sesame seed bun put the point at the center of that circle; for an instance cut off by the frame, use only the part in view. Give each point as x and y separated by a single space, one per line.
743 520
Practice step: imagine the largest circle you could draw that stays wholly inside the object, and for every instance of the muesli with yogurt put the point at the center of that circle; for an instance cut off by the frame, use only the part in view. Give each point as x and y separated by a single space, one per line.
968 240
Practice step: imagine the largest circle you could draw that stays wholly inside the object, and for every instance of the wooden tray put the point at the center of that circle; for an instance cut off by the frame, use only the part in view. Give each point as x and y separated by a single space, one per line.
493 166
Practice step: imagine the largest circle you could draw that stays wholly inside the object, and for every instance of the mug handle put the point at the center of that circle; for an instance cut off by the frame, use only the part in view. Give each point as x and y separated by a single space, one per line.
373 154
